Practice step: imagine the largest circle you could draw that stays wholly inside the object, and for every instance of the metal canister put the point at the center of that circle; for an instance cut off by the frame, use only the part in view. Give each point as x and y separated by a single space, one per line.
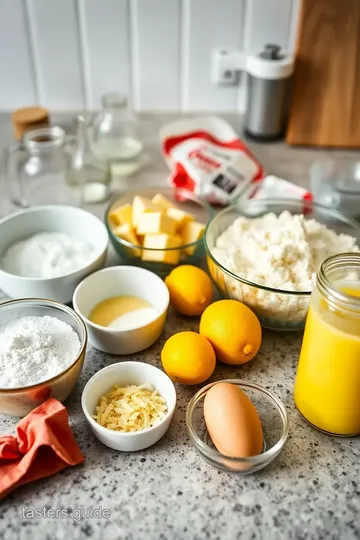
268 93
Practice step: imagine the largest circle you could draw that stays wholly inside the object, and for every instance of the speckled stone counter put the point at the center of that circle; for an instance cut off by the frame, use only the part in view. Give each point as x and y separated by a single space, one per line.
167 492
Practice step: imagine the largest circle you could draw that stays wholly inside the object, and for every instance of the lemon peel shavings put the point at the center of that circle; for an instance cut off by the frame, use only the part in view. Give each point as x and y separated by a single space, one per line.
130 408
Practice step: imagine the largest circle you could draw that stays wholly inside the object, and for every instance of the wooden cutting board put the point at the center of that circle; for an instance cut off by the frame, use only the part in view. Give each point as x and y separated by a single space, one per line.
325 108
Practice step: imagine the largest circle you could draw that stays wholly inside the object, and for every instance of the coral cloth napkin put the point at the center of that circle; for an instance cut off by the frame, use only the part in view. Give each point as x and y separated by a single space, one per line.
43 445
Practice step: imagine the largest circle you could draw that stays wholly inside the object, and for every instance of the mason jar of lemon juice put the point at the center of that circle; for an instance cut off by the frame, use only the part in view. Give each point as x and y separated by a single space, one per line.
327 385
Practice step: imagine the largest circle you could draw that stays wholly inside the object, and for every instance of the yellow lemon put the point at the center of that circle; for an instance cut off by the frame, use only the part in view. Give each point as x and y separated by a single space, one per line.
190 289
233 330
188 358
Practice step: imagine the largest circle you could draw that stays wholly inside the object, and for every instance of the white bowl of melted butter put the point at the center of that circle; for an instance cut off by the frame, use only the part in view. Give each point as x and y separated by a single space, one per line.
124 308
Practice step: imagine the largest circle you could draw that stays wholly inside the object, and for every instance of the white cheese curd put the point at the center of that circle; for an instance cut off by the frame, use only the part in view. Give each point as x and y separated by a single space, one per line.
281 252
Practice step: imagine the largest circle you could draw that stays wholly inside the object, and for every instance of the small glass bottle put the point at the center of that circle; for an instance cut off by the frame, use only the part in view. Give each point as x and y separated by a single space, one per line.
115 135
327 382
85 171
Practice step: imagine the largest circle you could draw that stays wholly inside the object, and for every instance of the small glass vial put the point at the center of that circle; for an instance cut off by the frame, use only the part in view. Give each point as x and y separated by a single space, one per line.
327 382
85 170
115 135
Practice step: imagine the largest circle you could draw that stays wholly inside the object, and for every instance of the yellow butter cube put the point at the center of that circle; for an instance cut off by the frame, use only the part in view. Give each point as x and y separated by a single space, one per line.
140 206
162 242
162 201
192 232
126 232
180 217
156 223
121 215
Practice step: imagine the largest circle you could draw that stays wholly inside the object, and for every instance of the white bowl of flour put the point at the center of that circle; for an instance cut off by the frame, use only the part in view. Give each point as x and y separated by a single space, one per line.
46 251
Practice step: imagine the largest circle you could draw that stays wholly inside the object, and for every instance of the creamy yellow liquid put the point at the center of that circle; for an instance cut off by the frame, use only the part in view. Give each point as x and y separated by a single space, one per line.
327 383
115 310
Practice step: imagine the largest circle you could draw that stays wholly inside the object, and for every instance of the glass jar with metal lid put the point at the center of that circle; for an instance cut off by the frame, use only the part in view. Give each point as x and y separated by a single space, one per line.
327 384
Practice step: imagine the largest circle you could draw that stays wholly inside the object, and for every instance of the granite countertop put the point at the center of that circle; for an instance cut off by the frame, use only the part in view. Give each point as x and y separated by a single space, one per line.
168 492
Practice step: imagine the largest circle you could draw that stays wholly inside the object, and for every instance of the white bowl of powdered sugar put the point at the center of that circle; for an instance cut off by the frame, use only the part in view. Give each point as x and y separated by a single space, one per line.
46 251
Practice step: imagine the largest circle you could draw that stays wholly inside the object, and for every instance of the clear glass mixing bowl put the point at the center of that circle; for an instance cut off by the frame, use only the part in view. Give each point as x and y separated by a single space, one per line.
274 422
21 400
277 309
189 203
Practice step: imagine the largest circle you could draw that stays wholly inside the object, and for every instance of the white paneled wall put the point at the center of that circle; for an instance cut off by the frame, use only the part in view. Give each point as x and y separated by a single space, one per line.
155 42
55 40
104 31
207 26
64 54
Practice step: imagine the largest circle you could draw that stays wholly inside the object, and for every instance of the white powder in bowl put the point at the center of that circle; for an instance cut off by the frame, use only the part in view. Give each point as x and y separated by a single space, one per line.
47 255
35 349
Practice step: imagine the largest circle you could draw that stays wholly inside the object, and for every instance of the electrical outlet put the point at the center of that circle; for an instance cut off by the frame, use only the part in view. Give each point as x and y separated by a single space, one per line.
226 65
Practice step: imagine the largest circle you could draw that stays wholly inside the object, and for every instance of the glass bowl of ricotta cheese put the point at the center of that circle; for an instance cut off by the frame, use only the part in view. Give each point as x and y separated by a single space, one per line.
266 253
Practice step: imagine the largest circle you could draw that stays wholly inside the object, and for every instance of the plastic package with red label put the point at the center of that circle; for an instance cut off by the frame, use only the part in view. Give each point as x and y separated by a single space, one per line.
206 157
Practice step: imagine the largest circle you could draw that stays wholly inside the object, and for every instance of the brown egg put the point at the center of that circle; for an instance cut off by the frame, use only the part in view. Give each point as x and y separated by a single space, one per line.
232 421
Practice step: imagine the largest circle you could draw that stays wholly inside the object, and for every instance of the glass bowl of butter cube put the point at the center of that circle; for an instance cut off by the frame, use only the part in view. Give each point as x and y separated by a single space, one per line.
158 228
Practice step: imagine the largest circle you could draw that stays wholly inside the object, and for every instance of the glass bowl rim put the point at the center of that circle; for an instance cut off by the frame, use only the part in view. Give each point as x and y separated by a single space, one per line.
61 307
56 136
214 455
290 202
191 196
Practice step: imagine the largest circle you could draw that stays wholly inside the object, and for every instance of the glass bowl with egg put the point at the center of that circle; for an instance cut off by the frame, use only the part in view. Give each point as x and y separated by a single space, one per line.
20 399
158 229
266 252
271 413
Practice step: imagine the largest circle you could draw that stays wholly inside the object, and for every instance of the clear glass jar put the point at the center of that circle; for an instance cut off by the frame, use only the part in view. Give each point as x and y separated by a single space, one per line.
84 170
115 136
327 382
34 169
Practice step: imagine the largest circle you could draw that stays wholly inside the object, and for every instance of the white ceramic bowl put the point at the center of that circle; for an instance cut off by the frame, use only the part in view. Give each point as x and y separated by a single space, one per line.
118 281
54 218
126 373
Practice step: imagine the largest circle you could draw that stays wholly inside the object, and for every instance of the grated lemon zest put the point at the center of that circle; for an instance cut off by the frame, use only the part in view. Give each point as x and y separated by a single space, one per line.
130 408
